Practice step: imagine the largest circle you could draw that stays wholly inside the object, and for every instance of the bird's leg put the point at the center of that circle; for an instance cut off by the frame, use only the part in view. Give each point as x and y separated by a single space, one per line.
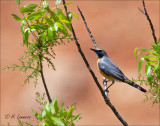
105 84
109 85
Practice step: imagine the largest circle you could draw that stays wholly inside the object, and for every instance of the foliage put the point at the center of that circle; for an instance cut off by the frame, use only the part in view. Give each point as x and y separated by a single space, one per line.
53 115
152 70
48 27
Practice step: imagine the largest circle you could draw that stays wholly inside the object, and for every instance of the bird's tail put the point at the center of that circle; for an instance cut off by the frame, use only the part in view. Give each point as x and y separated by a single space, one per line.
135 85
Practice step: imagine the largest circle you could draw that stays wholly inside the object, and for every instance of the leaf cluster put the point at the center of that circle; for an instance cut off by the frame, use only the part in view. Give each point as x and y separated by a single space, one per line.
152 70
54 115
42 28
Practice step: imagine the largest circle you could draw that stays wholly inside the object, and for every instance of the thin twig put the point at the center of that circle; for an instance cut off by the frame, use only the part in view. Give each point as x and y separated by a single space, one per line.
94 42
44 82
104 93
149 20
40 62
93 75
83 56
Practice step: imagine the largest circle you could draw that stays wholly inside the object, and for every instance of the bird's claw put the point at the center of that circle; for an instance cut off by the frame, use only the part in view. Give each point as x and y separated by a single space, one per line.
106 90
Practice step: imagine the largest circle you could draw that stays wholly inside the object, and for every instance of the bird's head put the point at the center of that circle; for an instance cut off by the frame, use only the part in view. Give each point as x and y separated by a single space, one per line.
99 52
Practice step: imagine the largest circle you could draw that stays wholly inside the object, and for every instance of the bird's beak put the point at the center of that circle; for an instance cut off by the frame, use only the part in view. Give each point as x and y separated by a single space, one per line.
93 49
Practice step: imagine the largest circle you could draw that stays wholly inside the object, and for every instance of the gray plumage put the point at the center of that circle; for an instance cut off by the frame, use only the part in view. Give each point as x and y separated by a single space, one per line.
111 69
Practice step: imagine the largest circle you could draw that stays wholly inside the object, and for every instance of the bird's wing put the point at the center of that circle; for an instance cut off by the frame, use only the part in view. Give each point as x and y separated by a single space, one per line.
111 69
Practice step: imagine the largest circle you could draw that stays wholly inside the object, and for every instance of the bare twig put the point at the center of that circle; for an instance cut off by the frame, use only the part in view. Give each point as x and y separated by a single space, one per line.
83 56
94 42
43 80
104 93
149 20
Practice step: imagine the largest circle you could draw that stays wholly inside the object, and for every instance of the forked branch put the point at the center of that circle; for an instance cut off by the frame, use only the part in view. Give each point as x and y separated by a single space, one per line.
91 71
104 93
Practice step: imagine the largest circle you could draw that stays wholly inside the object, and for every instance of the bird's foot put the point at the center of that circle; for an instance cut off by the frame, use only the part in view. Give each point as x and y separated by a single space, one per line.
106 90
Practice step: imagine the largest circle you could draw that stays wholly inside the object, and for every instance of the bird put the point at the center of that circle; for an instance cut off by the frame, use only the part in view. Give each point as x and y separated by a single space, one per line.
111 71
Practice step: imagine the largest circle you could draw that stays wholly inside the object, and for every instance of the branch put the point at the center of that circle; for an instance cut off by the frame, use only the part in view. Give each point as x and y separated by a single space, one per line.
108 102
104 93
82 54
93 40
149 20
92 73
44 82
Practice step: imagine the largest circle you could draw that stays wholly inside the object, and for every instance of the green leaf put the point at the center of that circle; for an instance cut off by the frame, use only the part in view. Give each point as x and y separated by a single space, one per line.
38 27
47 107
154 58
59 11
69 115
43 26
147 60
49 21
16 17
65 21
18 2
58 121
38 116
52 108
62 16
44 113
137 54
35 113
158 41
74 15
140 64
22 27
54 16
145 50
135 50
147 69
35 16
63 30
68 3
57 2
156 46
60 25
26 36
28 8
150 77
50 34
43 37
148 55
70 15
56 26
44 124
76 118
62 110
56 105
157 70
35 26
45 4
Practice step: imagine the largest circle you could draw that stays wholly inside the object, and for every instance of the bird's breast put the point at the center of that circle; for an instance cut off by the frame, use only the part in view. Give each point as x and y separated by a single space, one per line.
103 74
